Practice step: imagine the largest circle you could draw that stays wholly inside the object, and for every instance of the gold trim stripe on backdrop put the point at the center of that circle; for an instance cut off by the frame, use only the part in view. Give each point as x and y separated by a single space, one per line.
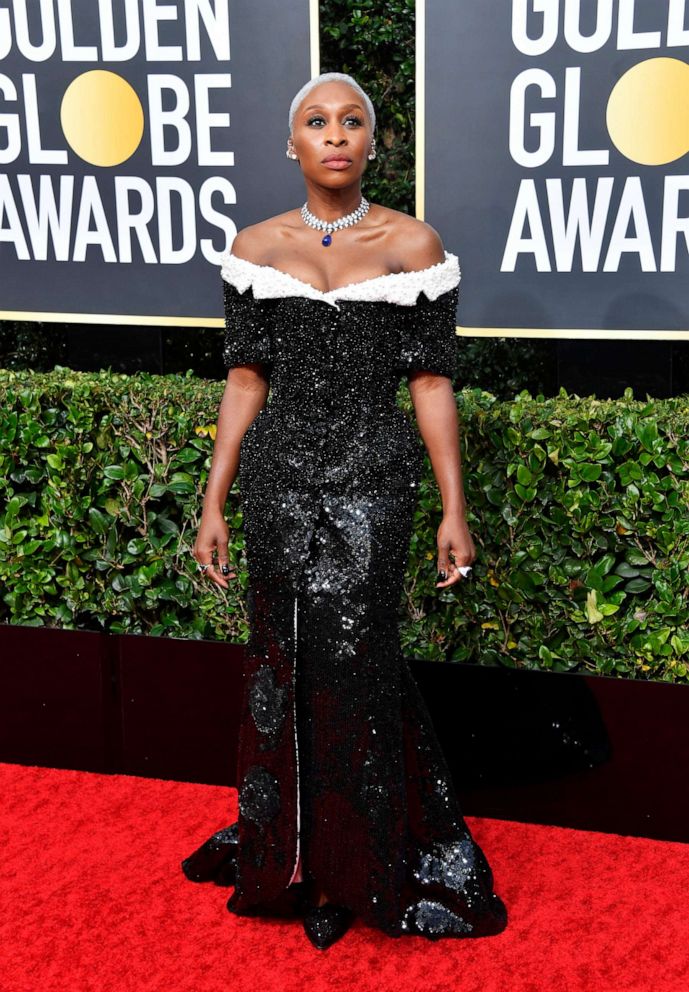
576 333
145 320
151 319
315 38
420 105
500 332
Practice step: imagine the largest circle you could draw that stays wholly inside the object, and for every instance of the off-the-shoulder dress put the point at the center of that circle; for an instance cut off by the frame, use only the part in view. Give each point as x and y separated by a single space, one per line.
339 763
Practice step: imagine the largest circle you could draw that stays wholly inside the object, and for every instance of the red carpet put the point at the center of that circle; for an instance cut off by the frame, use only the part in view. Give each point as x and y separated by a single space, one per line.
93 898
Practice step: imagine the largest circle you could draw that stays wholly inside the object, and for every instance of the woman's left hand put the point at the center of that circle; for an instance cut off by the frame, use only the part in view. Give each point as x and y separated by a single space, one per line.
455 548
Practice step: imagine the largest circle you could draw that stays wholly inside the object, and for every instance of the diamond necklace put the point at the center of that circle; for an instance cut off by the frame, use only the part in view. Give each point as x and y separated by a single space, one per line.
334 225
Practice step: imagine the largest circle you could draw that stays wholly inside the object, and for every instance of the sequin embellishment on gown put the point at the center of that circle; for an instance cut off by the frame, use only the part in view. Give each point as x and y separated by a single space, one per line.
338 763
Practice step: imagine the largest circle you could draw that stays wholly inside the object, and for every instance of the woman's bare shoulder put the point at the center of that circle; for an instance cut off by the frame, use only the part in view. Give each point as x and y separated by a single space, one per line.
417 243
254 242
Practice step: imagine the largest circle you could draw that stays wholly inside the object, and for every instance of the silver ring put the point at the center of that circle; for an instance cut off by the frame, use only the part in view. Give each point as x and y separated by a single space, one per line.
202 568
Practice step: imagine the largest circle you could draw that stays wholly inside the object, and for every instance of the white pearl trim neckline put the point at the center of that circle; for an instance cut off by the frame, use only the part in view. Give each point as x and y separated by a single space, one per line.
392 287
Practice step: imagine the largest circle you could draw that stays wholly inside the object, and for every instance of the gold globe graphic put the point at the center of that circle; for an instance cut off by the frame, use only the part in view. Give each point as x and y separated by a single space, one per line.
648 112
102 118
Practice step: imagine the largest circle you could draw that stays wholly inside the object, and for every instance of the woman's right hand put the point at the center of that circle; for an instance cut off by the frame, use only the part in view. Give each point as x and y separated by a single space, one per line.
213 536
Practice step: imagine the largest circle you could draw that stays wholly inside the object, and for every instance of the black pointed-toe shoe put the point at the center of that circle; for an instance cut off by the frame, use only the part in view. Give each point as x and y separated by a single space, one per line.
216 859
325 924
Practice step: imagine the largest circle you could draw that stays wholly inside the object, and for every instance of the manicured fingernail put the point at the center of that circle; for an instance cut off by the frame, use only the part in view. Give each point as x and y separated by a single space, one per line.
225 570
441 575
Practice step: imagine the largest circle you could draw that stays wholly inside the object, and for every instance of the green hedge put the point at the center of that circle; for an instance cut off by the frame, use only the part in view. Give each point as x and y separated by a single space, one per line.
578 508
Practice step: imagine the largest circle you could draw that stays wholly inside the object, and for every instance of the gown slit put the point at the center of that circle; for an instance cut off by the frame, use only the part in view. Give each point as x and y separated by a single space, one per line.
296 745
338 763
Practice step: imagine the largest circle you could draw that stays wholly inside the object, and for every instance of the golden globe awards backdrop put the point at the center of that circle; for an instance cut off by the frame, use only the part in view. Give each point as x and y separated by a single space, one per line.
552 157
136 138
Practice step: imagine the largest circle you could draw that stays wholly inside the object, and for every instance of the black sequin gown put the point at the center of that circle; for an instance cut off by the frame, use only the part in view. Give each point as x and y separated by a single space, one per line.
338 758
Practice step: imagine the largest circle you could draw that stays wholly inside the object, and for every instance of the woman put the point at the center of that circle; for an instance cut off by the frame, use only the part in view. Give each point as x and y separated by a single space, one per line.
346 804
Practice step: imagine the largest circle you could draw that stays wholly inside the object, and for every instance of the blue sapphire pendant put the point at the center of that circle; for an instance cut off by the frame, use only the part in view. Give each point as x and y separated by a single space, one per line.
334 225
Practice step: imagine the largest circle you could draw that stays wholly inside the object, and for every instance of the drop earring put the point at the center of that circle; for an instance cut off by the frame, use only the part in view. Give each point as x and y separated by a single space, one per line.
290 153
372 153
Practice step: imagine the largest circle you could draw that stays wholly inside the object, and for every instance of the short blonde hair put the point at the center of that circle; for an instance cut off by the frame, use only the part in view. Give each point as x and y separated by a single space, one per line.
326 77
